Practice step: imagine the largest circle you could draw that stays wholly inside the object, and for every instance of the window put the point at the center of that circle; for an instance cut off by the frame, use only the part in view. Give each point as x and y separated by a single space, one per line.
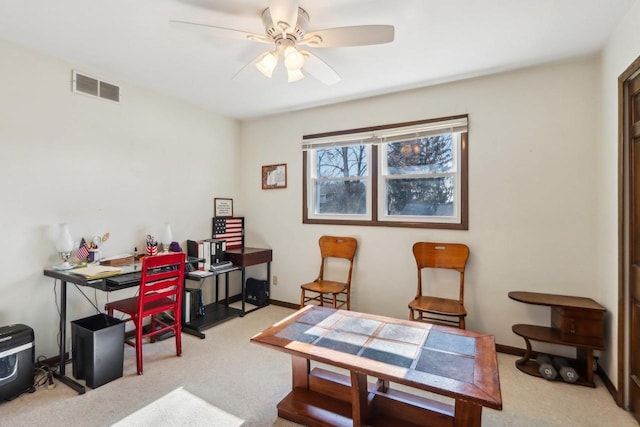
402 175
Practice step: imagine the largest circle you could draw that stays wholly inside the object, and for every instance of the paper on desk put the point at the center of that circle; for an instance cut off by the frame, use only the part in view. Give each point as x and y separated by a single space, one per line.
94 271
117 257
199 273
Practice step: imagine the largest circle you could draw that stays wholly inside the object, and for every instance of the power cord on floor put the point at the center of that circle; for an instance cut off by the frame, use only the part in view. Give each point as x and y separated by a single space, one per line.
43 377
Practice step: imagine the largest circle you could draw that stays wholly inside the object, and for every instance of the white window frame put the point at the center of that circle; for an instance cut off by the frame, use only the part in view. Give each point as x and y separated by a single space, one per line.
313 179
383 176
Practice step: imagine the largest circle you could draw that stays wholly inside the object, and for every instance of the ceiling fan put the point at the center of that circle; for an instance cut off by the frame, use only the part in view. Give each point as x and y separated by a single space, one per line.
285 26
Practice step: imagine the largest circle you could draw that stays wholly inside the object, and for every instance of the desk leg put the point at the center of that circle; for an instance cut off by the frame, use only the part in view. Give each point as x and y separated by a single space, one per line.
268 282
63 326
467 414
244 292
60 375
226 289
217 283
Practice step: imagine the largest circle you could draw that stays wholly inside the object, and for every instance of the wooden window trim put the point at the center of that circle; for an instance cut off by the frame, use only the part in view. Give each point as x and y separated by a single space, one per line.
374 222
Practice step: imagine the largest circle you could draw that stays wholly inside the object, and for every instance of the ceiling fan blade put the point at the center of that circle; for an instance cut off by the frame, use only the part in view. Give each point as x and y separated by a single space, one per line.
361 35
320 69
246 66
285 11
212 30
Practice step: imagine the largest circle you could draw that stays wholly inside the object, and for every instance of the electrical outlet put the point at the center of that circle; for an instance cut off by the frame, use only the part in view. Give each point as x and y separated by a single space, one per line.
275 280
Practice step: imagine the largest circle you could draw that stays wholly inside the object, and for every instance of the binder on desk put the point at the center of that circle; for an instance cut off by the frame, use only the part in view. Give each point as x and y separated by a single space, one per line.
217 249
198 249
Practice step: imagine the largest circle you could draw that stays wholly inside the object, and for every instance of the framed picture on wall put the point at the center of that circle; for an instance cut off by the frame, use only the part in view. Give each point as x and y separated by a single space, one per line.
222 207
274 176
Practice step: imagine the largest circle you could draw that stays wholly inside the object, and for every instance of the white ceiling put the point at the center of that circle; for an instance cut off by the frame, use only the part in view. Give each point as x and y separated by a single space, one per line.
131 41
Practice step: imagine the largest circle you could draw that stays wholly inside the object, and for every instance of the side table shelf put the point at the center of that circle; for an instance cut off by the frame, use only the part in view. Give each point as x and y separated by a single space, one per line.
214 313
220 311
575 321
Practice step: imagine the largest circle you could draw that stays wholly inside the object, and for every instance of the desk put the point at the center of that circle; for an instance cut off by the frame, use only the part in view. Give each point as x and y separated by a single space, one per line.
214 313
64 277
102 284
245 257
451 362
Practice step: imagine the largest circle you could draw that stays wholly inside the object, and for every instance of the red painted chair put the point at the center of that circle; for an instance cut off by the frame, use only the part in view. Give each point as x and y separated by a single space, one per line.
161 287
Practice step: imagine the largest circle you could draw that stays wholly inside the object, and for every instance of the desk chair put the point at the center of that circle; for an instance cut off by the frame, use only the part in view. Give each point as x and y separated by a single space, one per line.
328 291
444 311
161 287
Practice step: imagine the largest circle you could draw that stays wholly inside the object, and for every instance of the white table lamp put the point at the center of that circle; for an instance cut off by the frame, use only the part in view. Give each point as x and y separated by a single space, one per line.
167 237
64 246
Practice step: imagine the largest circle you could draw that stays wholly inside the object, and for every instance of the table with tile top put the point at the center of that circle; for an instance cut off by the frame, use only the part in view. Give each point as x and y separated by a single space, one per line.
378 352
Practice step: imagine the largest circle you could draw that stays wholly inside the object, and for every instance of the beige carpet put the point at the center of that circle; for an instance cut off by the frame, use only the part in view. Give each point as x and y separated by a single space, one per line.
179 408
247 381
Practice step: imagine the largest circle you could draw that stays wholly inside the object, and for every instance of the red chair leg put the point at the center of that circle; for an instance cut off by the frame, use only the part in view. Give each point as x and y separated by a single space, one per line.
178 340
139 348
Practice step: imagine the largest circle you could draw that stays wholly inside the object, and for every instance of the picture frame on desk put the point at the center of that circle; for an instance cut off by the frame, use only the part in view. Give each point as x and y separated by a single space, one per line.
222 207
274 176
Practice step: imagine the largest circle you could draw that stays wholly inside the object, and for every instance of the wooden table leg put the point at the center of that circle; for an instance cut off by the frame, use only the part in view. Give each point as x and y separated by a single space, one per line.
584 359
467 414
359 399
527 354
300 372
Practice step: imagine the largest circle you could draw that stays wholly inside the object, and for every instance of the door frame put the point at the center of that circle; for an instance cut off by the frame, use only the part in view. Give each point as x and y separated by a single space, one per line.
624 266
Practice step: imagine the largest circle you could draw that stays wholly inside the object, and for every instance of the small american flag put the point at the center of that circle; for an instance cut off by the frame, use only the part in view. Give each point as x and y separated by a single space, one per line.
83 250
230 229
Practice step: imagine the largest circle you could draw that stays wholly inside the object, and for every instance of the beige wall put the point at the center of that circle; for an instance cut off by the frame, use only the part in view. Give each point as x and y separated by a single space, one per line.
532 175
123 168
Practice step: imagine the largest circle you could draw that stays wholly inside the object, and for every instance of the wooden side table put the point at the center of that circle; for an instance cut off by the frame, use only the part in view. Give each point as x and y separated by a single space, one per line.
575 321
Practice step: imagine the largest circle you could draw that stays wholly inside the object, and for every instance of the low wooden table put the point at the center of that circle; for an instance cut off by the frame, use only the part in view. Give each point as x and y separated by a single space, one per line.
575 321
451 362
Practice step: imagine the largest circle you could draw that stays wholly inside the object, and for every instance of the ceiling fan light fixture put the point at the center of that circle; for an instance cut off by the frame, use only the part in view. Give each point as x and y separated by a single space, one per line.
268 63
293 60
294 75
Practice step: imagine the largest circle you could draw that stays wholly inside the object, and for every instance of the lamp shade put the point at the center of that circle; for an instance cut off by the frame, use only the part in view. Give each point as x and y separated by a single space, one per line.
293 60
167 235
294 75
64 243
268 63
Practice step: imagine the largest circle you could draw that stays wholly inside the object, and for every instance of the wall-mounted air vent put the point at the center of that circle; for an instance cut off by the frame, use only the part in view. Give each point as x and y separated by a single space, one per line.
90 86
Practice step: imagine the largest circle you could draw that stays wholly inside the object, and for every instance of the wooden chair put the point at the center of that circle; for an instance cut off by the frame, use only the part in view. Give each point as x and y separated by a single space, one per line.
161 287
444 311
328 291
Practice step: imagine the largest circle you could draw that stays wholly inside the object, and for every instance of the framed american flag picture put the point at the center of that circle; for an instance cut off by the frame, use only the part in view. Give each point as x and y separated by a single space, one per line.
230 229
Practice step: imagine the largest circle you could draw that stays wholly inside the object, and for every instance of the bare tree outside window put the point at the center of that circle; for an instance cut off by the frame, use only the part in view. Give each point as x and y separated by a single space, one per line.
339 188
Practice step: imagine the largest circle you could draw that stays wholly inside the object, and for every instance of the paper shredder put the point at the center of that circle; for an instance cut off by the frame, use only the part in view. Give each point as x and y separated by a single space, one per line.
16 360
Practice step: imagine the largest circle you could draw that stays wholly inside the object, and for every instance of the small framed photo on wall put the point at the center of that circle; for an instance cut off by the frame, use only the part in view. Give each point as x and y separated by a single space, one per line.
222 207
274 176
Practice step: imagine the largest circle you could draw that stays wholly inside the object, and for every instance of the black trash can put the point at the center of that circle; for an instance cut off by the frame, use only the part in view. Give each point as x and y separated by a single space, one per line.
97 349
